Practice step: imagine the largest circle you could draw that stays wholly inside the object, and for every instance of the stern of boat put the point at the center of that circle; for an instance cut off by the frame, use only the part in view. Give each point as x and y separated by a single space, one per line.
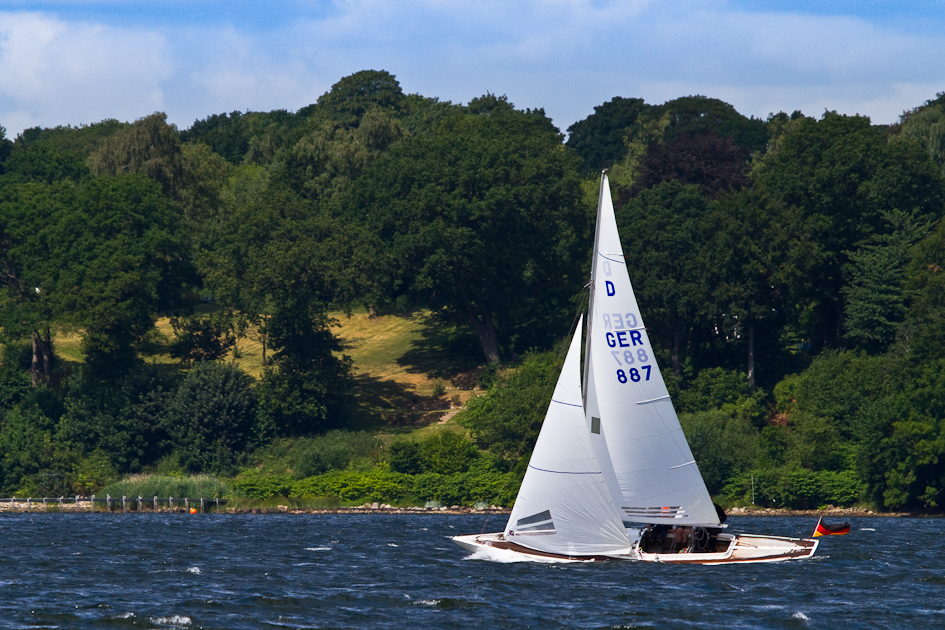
743 548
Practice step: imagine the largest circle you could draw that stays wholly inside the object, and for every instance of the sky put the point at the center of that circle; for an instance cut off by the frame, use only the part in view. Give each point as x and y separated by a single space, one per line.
77 62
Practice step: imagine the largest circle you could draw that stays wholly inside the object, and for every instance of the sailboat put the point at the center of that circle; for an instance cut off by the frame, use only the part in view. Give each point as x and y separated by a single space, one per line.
612 476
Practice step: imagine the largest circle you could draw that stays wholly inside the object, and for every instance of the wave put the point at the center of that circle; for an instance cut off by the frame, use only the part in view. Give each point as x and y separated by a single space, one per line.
505 556
174 620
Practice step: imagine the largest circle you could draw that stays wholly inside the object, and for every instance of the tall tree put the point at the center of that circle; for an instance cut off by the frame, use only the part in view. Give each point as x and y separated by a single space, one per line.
103 256
713 163
29 266
699 114
480 216
599 139
353 96
843 176
281 265
875 296
128 259
326 159
759 255
662 232
150 146
926 125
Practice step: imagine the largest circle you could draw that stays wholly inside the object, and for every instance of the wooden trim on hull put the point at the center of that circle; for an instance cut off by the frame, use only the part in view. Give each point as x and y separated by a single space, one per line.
497 541
520 549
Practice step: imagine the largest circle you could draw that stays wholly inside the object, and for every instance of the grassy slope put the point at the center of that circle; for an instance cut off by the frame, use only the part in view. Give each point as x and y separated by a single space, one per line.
397 359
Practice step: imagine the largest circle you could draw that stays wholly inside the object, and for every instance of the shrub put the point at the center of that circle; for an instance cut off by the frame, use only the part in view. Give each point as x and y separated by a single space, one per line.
722 445
406 456
254 486
712 388
355 486
795 488
443 453
334 450
201 338
506 420
482 483
211 417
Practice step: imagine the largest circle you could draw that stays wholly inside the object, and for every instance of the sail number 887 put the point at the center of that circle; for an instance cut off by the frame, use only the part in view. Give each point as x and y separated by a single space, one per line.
629 358
634 374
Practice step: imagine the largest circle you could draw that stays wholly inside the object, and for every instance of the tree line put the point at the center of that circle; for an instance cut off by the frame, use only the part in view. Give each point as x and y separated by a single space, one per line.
788 269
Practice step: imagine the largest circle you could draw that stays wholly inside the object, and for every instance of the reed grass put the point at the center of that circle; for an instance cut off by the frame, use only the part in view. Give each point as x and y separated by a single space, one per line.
163 486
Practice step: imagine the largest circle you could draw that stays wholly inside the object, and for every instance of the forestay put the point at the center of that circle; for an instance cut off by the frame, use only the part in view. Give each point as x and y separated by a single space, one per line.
630 417
563 505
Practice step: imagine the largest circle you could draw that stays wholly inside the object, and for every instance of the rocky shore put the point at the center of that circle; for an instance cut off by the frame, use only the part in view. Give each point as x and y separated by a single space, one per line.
84 506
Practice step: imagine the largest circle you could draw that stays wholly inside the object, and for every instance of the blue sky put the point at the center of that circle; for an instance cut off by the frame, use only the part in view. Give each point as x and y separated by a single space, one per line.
81 61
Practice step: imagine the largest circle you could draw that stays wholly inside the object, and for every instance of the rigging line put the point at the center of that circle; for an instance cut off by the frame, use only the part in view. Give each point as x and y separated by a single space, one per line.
551 383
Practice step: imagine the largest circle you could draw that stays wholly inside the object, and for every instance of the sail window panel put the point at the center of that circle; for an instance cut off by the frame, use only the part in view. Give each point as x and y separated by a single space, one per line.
535 518
595 425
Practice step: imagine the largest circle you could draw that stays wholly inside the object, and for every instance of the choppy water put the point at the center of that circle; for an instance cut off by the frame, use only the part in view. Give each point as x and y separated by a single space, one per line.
391 571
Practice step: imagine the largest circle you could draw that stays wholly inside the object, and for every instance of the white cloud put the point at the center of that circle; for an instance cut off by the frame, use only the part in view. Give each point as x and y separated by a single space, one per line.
563 55
55 72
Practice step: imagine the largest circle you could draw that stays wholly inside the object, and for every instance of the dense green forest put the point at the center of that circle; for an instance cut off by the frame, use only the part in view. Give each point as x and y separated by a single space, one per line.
791 272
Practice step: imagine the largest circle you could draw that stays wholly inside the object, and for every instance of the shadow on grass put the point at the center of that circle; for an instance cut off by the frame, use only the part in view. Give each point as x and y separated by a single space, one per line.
391 406
443 351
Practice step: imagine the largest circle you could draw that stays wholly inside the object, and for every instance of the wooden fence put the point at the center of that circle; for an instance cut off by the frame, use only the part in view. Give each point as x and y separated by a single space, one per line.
110 504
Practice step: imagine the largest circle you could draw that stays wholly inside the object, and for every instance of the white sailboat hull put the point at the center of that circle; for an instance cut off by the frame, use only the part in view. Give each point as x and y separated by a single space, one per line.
741 549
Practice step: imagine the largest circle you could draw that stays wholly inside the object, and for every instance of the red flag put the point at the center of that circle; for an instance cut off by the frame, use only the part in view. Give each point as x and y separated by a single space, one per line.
823 529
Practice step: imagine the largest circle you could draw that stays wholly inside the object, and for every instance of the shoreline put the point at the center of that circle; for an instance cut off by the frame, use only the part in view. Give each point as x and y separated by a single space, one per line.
85 508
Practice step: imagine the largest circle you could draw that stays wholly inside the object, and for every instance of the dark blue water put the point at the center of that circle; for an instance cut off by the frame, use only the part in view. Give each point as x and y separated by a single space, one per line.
390 571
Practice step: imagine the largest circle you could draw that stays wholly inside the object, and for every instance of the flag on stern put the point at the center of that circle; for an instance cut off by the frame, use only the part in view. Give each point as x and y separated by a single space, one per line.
823 529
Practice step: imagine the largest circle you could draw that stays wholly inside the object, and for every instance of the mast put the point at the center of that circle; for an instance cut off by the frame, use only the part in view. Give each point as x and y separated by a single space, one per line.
590 302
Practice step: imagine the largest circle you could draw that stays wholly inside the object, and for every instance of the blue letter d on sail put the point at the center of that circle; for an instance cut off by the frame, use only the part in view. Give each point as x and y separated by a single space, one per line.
610 287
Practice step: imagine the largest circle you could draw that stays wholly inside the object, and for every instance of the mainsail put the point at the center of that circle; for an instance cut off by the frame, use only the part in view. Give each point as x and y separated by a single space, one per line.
563 505
649 469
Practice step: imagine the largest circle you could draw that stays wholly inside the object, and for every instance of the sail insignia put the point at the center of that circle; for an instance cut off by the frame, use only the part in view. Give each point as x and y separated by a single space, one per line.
535 525
647 513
